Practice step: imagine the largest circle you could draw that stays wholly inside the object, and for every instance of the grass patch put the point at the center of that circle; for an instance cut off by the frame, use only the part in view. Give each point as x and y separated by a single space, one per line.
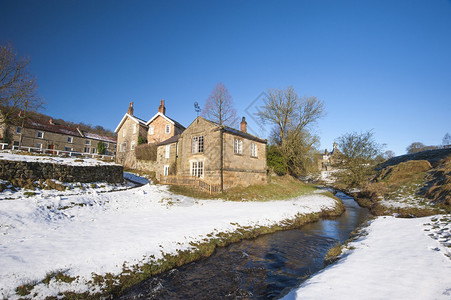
25 289
409 187
280 188
59 276
334 253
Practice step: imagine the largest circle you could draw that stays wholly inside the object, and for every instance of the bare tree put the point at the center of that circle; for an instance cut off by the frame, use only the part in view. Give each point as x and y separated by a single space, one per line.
415 147
18 93
291 117
219 107
289 113
357 158
446 139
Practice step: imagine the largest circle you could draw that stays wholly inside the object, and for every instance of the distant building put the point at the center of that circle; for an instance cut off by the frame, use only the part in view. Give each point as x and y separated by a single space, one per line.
46 136
328 159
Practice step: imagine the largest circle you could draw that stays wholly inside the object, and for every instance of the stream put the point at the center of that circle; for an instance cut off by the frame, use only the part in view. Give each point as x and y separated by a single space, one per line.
266 267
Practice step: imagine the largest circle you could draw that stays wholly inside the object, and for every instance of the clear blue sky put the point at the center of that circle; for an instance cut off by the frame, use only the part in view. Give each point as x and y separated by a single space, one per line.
382 65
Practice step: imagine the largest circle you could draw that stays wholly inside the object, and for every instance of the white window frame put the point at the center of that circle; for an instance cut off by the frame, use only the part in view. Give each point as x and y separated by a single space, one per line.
94 150
135 128
197 168
151 130
254 150
132 145
197 144
88 142
70 139
42 134
87 150
123 132
18 130
70 149
107 145
167 129
167 152
16 145
39 145
123 147
238 146
166 170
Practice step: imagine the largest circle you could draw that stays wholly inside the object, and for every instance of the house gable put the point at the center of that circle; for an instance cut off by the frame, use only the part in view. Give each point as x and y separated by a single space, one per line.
133 118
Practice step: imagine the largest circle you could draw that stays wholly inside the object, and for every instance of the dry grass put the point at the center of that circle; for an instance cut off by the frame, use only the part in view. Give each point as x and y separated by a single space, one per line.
439 185
334 253
414 183
283 187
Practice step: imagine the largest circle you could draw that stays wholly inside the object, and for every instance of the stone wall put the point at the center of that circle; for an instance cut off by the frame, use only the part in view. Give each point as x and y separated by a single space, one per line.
66 173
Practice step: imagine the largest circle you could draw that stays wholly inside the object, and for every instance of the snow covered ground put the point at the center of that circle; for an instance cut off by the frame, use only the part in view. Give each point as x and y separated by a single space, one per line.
74 161
398 259
72 188
99 232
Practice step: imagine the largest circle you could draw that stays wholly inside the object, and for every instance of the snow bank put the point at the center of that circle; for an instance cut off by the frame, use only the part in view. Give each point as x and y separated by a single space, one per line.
73 161
399 259
88 233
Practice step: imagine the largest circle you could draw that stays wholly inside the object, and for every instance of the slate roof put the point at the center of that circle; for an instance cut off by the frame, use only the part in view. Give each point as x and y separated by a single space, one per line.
66 130
170 140
238 132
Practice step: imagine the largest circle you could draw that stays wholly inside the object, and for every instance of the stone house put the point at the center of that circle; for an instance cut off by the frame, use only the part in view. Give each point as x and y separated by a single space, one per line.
131 128
217 154
328 159
46 136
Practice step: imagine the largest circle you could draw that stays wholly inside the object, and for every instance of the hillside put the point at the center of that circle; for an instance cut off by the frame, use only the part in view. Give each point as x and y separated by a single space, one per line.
411 185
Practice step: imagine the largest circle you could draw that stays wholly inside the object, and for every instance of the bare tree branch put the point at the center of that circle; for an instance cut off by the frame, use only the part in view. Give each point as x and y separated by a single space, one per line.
219 107
18 89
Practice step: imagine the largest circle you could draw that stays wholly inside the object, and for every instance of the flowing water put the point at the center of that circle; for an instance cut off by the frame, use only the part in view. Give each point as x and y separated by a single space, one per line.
266 267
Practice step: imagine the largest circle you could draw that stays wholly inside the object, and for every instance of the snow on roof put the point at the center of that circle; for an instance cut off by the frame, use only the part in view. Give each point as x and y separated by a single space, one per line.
172 121
56 128
135 119
99 137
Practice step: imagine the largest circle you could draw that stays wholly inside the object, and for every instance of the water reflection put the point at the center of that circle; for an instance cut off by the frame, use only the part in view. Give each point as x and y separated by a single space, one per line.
264 267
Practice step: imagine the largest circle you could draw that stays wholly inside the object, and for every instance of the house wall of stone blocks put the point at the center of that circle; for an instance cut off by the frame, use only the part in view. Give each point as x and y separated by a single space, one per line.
126 137
243 169
41 139
238 169
210 155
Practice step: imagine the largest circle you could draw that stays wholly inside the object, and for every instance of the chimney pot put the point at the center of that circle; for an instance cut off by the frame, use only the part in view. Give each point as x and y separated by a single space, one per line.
130 109
243 125
162 108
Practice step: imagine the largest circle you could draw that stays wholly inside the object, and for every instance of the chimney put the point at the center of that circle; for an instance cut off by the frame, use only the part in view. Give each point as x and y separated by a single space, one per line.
161 108
51 121
130 109
244 125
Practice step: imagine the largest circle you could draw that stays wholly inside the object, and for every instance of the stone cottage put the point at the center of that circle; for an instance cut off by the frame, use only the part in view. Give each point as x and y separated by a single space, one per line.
131 129
217 154
328 159
38 135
